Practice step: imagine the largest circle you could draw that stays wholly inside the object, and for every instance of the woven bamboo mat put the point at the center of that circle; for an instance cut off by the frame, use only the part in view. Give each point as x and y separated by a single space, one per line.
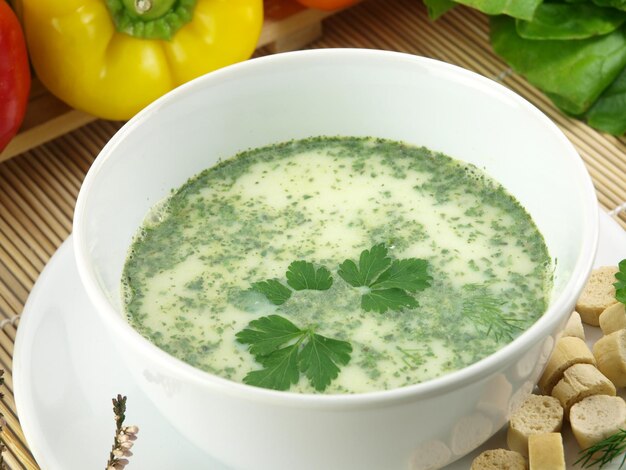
38 189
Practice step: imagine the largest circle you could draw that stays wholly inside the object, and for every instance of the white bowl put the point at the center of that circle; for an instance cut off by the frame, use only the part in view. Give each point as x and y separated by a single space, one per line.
353 93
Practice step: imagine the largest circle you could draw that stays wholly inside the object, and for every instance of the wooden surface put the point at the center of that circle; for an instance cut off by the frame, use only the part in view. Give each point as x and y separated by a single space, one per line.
39 187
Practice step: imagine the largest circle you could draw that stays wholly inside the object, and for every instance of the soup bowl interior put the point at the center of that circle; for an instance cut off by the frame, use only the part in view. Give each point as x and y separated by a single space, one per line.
352 93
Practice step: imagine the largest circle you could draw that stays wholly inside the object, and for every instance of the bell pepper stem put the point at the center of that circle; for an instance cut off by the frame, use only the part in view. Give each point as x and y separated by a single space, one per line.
150 19
143 6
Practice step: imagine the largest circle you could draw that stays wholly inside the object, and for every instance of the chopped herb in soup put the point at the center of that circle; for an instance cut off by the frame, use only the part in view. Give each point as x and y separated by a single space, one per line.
341 265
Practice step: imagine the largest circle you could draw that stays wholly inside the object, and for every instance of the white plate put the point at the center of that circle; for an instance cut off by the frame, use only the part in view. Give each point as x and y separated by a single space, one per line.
66 371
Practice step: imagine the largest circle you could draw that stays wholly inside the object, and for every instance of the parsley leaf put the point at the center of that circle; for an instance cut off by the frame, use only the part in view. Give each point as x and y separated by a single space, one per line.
385 299
302 275
408 274
319 359
388 282
620 285
275 292
267 334
284 351
280 370
371 263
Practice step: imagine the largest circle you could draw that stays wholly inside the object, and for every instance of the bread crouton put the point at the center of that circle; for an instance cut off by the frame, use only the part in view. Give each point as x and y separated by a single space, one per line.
581 381
568 351
597 417
499 459
538 414
598 294
610 354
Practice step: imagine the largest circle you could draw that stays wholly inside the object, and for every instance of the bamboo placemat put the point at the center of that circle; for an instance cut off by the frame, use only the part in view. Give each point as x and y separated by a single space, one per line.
38 189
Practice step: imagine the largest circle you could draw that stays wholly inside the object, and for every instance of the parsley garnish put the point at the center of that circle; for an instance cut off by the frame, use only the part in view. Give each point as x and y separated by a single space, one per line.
371 263
604 451
388 282
620 285
285 351
387 299
302 275
273 290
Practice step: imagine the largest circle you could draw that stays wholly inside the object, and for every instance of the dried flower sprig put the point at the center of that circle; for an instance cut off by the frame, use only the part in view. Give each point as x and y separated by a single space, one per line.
604 451
3 423
124 437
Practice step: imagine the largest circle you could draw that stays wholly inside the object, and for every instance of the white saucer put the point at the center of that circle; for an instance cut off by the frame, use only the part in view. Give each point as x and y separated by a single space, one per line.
66 371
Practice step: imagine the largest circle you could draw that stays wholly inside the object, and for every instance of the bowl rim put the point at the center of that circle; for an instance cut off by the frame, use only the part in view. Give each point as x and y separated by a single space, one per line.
473 373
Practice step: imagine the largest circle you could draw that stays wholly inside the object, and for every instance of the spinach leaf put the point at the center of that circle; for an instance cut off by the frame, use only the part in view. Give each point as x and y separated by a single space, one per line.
608 114
572 73
524 9
436 8
563 21
619 4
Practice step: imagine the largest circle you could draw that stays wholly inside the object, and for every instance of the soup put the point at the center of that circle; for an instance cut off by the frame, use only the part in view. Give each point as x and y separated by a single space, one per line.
336 265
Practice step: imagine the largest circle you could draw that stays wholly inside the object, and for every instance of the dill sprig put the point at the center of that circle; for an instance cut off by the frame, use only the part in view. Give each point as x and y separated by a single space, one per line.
124 437
605 451
411 357
485 311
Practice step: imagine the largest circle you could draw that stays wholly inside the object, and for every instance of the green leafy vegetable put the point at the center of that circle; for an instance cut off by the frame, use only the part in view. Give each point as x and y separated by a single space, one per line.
387 281
620 285
436 8
302 275
285 351
485 311
524 9
275 292
569 21
608 113
572 73
572 50
604 451
619 4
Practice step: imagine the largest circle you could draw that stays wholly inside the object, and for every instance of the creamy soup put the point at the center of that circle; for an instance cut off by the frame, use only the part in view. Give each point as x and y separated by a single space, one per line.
199 270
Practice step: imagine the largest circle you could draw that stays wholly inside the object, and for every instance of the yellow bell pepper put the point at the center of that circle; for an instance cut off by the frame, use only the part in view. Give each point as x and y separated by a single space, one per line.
111 58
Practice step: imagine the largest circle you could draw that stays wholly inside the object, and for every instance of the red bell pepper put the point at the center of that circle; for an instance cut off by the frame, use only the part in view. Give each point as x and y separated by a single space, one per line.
327 4
14 74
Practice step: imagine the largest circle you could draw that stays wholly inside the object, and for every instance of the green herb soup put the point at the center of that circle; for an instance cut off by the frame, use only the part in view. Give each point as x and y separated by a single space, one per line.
408 265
